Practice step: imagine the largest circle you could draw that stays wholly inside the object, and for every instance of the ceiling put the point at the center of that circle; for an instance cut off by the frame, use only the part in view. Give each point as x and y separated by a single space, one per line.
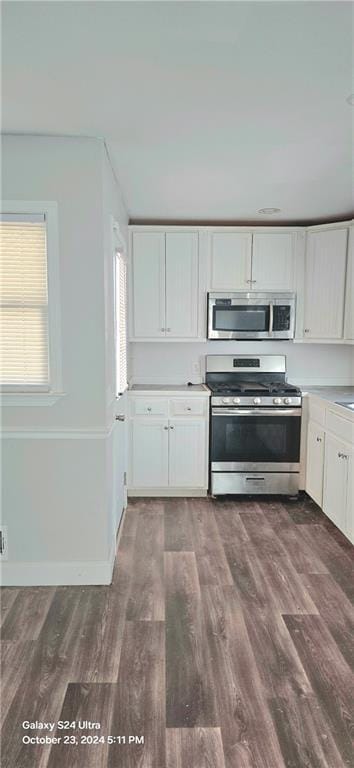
211 110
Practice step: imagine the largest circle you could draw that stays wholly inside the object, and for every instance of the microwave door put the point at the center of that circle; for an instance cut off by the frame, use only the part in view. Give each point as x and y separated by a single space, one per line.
240 321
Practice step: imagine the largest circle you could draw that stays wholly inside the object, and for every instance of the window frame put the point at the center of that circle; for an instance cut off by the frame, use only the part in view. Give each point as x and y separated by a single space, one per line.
119 252
42 394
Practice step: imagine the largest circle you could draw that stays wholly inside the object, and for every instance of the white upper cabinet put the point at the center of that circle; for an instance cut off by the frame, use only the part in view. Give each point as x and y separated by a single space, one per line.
349 296
182 284
148 285
273 261
173 268
230 261
165 291
325 270
260 262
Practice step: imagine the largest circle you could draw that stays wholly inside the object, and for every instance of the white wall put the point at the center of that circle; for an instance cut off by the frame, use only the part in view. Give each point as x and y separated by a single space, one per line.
179 362
56 499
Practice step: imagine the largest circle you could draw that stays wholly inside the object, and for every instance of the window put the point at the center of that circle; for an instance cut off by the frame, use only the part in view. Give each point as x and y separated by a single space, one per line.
120 272
29 322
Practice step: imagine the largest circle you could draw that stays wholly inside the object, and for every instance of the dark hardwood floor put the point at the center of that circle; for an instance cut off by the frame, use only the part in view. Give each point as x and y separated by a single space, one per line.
226 640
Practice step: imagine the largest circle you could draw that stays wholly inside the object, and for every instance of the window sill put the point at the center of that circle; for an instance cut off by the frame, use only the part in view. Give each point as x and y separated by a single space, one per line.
30 398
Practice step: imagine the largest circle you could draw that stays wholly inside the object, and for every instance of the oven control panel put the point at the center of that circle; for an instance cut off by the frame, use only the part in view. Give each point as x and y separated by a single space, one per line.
266 401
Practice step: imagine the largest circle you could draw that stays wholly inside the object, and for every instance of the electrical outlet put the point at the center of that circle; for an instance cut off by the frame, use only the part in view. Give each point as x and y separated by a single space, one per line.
196 368
3 543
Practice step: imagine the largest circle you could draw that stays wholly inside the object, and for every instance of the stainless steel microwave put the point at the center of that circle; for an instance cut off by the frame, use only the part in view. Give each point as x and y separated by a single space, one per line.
249 316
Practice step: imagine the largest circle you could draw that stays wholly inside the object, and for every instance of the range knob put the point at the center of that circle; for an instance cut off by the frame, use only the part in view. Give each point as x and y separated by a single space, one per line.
287 400
257 400
226 400
277 400
236 400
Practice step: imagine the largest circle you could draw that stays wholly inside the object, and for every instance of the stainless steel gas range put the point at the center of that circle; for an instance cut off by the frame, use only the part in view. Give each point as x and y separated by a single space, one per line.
255 425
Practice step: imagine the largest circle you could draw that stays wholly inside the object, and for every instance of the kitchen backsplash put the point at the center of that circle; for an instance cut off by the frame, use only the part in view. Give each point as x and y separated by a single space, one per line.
178 362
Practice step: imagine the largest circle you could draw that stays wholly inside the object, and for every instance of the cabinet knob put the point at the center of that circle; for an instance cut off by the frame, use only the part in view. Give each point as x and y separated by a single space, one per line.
319 439
163 329
168 330
189 409
306 330
165 427
171 427
148 409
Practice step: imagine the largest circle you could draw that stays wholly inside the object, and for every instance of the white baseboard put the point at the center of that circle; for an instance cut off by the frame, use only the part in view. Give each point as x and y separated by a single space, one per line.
187 492
45 574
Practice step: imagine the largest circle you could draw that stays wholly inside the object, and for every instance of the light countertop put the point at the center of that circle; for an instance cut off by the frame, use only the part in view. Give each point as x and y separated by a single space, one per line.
340 397
331 393
165 389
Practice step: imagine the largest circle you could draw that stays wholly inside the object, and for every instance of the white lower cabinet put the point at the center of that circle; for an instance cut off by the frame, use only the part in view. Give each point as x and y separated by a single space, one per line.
315 457
187 448
330 462
349 525
168 454
148 453
337 501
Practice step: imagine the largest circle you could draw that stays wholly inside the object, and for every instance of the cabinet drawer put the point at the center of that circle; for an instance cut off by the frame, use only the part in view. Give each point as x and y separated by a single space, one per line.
342 428
317 411
188 407
153 406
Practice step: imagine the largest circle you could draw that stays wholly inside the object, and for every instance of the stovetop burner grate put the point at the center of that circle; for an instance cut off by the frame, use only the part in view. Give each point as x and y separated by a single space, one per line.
246 388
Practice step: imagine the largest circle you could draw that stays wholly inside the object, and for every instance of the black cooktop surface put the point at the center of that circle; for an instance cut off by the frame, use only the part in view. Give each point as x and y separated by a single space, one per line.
253 387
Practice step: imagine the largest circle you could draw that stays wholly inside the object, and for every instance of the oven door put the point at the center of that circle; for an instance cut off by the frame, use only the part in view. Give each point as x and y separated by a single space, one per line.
255 439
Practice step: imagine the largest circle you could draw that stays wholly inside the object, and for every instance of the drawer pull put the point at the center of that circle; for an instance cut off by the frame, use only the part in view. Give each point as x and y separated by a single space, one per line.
189 409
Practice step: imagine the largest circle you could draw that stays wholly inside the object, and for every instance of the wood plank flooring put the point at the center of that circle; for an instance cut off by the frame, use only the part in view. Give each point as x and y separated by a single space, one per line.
226 640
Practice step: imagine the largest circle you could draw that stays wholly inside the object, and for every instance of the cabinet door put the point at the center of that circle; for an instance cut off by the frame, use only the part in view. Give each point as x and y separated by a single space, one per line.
182 284
326 256
148 285
148 453
349 523
230 261
349 296
315 460
187 454
273 261
335 481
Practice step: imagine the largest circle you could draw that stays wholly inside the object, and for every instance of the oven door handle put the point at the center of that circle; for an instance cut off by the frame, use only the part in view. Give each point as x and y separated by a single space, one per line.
256 412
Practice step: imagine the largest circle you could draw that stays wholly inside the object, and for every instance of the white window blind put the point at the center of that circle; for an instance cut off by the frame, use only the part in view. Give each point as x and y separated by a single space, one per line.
24 359
121 322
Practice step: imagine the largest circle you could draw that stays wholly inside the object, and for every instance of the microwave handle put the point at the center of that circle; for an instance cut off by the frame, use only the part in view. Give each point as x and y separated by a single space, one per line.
270 317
